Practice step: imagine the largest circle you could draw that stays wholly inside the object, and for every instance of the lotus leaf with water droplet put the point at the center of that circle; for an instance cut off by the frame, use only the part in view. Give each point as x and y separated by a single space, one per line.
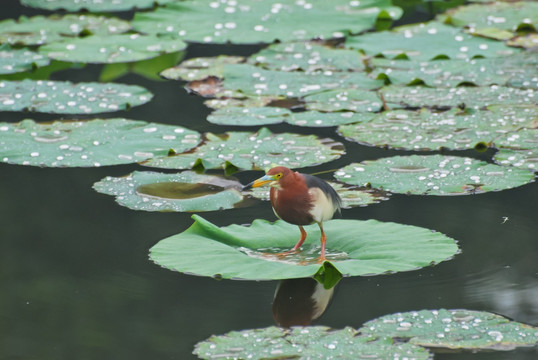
426 42
200 68
525 159
433 175
314 342
259 150
64 97
454 329
19 60
95 142
251 21
39 30
111 48
93 5
185 191
354 247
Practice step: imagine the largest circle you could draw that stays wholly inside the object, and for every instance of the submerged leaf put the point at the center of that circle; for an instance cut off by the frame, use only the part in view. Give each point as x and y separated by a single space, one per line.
95 142
454 329
354 248
433 175
185 191
315 342
64 97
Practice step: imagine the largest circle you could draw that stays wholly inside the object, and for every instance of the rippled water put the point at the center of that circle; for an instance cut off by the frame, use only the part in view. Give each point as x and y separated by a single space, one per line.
76 281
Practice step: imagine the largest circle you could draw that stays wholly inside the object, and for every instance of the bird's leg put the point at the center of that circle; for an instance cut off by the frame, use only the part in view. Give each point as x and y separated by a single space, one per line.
301 240
323 241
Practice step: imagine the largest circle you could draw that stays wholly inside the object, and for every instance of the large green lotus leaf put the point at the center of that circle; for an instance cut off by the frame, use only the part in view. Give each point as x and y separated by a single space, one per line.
90 143
200 68
251 21
498 15
93 5
249 116
452 129
251 80
528 41
64 97
525 138
356 100
517 71
454 329
354 247
185 191
472 97
433 175
525 159
40 30
350 196
19 60
308 57
426 42
111 48
315 342
259 150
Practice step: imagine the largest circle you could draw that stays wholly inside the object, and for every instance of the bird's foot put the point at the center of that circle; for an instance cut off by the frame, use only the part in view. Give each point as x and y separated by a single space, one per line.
321 259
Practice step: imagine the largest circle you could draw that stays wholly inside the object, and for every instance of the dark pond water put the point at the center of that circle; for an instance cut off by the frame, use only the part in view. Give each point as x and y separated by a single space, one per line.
76 282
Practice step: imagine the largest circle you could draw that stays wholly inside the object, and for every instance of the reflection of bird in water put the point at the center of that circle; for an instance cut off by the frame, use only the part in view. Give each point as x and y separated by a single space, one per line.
300 199
299 301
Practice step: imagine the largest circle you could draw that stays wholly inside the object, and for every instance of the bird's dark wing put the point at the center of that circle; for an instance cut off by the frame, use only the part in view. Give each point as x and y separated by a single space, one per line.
312 181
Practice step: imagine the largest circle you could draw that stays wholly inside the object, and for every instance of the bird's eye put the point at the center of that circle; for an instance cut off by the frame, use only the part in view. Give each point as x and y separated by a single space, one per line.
279 175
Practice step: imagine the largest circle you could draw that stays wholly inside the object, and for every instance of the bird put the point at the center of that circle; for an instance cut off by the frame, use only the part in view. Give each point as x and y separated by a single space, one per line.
300 199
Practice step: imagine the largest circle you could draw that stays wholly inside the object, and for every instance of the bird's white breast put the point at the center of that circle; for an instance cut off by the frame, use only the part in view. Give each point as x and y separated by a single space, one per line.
323 208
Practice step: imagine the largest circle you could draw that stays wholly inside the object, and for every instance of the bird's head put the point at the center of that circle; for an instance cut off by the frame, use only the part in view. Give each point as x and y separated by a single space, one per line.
273 177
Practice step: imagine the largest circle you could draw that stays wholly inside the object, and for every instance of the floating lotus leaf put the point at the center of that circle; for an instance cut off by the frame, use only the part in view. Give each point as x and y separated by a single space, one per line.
505 16
433 175
355 100
259 150
200 68
350 196
454 329
40 30
354 247
93 5
426 42
249 116
472 97
64 97
221 103
90 143
526 138
528 41
111 48
452 129
525 159
308 57
315 342
518 71
186 191
251 21
19 60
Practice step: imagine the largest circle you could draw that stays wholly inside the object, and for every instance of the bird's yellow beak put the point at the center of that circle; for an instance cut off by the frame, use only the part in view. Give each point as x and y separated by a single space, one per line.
264 180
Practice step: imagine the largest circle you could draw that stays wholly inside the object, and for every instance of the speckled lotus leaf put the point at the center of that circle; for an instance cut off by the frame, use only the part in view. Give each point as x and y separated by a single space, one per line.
344 99
40 30
259 150
518 70
93 5
19 60
454 329
250 116
111 48
308 57
433 175
471 97
64 97
525 138
427 41
525 159
354 248
90 143
251 21
499 15
200 68
185 191
351 196
221 103
314 342
428 130
528 41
